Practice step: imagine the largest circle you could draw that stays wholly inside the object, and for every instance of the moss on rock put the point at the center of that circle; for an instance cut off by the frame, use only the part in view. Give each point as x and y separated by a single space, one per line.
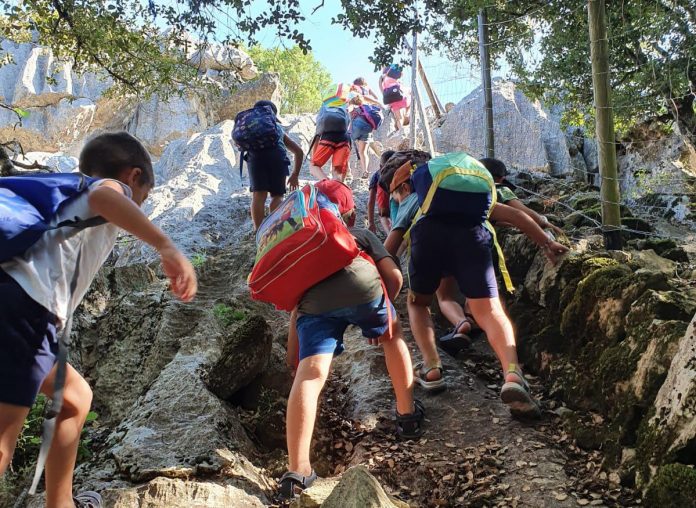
674 485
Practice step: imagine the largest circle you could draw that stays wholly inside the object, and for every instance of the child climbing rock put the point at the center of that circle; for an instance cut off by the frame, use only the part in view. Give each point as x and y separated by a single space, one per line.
331 141
44 276
353 296
449 238
378 195
265 146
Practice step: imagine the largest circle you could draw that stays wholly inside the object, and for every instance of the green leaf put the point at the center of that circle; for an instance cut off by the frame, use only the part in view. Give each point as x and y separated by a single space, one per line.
22 113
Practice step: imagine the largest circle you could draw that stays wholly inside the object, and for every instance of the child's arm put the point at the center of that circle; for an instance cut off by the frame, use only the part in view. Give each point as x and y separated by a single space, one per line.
293 180
524 223
371 210
394 240
541 220
293 349
109 201
391 276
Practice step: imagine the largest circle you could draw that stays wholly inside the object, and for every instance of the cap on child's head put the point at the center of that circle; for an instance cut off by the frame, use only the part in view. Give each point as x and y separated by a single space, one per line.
401 175
495 167
338 193
265 102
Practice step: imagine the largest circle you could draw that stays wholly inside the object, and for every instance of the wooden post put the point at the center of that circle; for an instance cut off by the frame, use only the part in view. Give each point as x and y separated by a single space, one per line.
414 84
417 103
606 139
434 101
488 140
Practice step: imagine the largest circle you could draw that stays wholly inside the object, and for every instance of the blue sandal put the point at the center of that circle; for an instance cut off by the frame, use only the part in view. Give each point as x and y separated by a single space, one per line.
456 341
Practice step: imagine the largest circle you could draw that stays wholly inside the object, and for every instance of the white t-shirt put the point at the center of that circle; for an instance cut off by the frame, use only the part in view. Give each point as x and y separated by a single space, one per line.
46 269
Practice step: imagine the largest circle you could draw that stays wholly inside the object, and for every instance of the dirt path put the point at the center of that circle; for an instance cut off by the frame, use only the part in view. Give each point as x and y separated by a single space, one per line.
472 454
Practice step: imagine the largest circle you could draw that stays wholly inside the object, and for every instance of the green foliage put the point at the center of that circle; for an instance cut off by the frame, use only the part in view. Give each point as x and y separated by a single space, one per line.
226 315
302 76
674 485
198 259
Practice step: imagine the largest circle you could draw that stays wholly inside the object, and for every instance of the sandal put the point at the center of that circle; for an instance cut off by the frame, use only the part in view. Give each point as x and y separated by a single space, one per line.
88 499
292 484
456 341
410 426
518 398
421 377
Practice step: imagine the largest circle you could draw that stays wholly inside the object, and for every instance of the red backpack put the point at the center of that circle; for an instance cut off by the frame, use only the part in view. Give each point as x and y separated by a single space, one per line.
300 244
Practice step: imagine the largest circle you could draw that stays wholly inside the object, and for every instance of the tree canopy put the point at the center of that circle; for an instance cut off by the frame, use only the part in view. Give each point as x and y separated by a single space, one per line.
652 42
302 76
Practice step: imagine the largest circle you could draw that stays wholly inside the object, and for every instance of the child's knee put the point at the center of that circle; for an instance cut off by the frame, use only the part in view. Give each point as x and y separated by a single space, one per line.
78 396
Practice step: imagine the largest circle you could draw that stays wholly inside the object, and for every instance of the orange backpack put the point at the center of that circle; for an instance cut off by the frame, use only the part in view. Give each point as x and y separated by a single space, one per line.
300 244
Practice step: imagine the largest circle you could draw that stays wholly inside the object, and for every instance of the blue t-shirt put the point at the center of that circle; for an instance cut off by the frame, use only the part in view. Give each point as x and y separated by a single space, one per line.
271 159
407 211
374 180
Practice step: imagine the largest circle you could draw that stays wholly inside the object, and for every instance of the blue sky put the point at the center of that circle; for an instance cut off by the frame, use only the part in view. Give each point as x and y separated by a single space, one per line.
347 57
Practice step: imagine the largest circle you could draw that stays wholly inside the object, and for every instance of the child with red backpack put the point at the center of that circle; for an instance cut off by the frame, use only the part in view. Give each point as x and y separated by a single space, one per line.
264 145
56 231
360 294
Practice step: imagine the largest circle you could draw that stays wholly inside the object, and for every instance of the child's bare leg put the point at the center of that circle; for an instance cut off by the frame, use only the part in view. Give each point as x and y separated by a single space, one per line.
302 410
275 202
449 306
339 175
424 331
386 223
362 153
258 207
60 463
400 370
11 420
490 316
317 172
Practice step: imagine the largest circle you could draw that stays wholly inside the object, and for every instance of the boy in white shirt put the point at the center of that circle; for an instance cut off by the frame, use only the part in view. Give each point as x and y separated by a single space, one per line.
39 290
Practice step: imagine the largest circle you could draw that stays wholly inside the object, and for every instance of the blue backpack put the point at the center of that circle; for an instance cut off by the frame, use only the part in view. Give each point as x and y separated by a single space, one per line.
372 115
256 129
29 205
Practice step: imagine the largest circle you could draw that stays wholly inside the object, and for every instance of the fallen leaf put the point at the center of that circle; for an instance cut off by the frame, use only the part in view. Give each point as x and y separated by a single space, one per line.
583 502
561 496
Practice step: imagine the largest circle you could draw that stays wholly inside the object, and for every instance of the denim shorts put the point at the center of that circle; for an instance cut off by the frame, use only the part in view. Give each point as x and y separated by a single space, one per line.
323 333
360 130
28 344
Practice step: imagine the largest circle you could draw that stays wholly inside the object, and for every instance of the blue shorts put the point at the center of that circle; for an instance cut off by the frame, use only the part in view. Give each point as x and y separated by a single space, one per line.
28 344
441 248
360 130
323 333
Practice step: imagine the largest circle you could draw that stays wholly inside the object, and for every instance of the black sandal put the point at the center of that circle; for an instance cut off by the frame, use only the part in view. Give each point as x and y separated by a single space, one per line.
456 341
410 426
292 484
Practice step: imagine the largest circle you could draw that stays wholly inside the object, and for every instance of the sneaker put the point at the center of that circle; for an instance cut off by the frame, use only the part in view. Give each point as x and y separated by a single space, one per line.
518 398
291 484
87 499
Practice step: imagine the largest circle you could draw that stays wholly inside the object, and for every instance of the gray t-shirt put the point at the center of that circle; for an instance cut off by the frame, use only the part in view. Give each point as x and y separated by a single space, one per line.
356 284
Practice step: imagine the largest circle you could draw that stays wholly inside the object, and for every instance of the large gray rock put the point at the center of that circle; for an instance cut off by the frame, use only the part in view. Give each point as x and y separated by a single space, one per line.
527 135
673 427
221 57
177 493
359 489
266 87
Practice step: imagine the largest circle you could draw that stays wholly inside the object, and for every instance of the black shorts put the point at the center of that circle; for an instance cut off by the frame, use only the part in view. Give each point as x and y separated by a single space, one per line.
28 344
444 248
268 170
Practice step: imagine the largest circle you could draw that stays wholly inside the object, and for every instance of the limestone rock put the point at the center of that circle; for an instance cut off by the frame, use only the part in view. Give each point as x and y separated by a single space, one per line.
177 493
58 161
199 199
235 368
673 427
221 57
359 489
267 86
314 496
533 137
178 408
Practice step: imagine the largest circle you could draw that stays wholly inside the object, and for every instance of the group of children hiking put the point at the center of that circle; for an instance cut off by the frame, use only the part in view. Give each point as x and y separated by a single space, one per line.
346 119
57 231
